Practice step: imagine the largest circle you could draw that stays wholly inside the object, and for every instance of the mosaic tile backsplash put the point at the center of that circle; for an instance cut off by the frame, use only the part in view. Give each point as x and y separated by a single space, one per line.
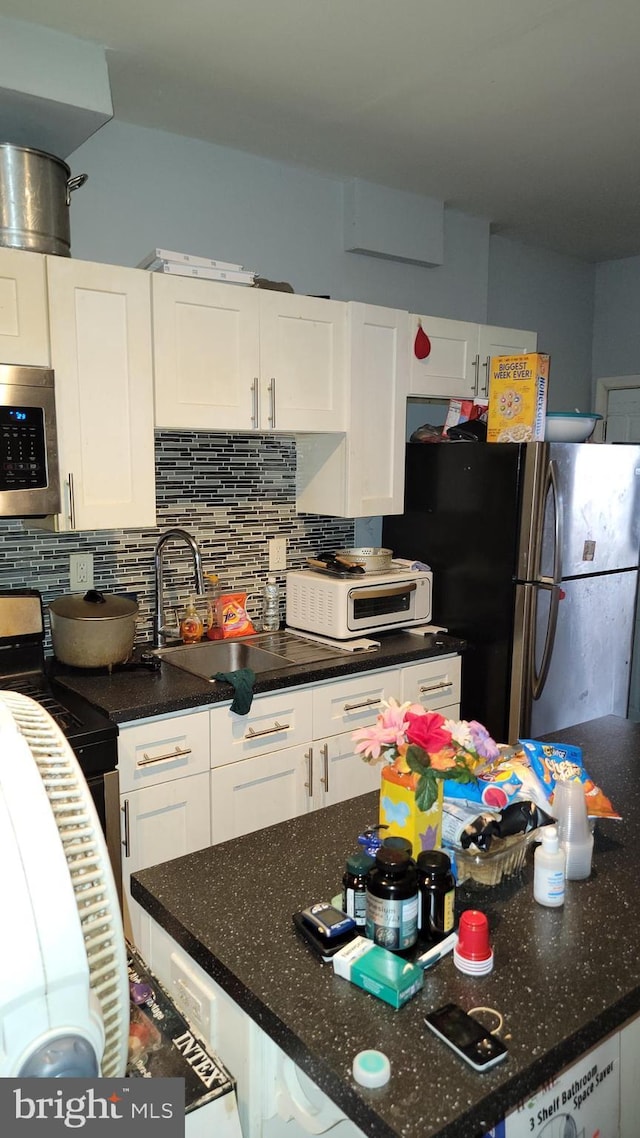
231 492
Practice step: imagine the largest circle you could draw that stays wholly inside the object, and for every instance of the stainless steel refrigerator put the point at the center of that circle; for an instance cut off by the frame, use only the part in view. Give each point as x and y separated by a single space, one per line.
534 549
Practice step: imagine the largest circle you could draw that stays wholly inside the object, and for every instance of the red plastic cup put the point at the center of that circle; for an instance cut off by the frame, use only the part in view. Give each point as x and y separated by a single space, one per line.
473 936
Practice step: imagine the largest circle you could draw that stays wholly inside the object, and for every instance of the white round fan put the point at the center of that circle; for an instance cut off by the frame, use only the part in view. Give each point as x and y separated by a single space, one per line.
64 991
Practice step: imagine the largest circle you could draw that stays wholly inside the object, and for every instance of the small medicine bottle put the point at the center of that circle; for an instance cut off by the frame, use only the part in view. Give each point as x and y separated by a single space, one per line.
354 887
395 842
549 870
392 901
437 895
191 626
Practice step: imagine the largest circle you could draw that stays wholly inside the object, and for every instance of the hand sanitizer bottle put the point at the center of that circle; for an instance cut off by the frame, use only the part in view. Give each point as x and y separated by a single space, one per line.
549 870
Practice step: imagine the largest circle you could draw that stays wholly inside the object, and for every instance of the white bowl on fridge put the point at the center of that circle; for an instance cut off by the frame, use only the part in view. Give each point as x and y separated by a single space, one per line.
569 426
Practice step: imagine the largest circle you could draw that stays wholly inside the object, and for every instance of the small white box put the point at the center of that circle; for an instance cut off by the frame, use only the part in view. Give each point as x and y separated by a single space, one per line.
185 259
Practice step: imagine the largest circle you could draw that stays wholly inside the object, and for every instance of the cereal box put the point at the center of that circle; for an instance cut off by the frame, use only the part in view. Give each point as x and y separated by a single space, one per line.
517 398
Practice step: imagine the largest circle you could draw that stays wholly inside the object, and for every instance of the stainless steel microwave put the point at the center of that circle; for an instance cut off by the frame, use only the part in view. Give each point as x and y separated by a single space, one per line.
29 477
344 608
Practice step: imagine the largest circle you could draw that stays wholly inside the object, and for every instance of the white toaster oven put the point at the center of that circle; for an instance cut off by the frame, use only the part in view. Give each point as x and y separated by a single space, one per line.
342 608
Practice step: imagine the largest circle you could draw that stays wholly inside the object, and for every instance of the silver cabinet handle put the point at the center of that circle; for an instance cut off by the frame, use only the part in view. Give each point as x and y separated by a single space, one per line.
487 366
72 503
476 367
365 703
254 401
272 394
309 783
440 686
147 760
125 811
251 734
324 778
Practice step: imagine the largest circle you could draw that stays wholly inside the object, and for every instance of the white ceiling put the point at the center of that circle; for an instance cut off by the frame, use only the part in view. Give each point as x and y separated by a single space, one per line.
525 112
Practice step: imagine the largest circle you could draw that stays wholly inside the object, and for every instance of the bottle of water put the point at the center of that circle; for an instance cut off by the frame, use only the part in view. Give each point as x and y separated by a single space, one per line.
271 606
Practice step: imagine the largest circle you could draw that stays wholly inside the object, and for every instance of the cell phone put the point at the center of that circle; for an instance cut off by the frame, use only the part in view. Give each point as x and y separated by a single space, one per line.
327 920
324 947
466 1036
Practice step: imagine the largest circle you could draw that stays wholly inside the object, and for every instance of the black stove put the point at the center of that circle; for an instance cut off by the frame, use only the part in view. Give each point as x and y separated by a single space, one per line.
90 734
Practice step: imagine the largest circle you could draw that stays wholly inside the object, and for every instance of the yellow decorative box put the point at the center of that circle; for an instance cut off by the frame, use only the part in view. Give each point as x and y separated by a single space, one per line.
518 398
399 813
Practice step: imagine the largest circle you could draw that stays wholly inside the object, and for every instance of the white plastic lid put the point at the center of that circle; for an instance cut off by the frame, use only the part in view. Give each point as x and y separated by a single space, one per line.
550 838
371 1069
271 580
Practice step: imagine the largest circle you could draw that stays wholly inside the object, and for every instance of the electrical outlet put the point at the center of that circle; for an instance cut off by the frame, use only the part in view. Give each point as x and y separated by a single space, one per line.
81 571
194 998
277 554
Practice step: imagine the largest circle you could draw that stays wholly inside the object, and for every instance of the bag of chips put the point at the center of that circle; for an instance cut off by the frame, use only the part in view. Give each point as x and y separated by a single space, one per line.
552 761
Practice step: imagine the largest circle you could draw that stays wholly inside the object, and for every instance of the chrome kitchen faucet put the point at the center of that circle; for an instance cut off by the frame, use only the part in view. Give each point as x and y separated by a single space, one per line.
175 534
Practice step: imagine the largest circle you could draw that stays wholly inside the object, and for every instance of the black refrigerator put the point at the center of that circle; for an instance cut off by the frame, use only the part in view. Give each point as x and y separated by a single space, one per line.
534 549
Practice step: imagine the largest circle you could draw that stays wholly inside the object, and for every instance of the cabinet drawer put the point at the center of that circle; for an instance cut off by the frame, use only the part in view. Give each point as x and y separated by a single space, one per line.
274 722
347 704
434 683
166 749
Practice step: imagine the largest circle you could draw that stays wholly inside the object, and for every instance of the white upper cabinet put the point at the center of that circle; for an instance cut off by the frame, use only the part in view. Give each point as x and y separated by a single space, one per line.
500 342
362 474
206 347
232 358
24 320
302 362
100 326
457 363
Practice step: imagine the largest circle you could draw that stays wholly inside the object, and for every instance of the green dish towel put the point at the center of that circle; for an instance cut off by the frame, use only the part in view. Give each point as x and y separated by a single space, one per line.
242 682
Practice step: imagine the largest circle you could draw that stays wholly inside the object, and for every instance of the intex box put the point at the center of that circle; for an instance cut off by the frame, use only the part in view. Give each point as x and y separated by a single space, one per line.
518 398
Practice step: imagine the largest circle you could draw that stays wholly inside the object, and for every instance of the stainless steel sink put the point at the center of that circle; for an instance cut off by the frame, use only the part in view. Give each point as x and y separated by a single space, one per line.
208 657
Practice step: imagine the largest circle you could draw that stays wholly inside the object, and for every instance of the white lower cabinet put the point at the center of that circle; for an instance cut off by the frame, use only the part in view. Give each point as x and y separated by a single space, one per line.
258 792
434 683
257 780
203 777
163 767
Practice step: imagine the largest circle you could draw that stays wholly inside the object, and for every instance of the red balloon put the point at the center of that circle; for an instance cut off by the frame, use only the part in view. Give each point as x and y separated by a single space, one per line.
422 344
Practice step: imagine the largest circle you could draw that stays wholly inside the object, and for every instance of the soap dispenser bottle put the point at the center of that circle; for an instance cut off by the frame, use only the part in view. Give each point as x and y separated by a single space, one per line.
191 626
549 870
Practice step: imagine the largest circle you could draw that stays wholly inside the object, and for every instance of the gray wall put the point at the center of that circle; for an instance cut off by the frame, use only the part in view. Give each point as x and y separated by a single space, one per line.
148 188
616 329
535 288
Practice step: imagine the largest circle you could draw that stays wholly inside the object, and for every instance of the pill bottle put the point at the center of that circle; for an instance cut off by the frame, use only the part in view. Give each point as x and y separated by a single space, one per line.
395 842
271 606
392 901
549 870
354 887
436 895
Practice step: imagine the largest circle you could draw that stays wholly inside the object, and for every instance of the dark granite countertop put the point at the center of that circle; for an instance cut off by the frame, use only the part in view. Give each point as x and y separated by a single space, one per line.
563 978
136 693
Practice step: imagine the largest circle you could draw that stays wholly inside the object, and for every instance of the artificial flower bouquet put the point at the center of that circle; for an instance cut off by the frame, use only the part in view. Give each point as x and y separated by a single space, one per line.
421 750
426 745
